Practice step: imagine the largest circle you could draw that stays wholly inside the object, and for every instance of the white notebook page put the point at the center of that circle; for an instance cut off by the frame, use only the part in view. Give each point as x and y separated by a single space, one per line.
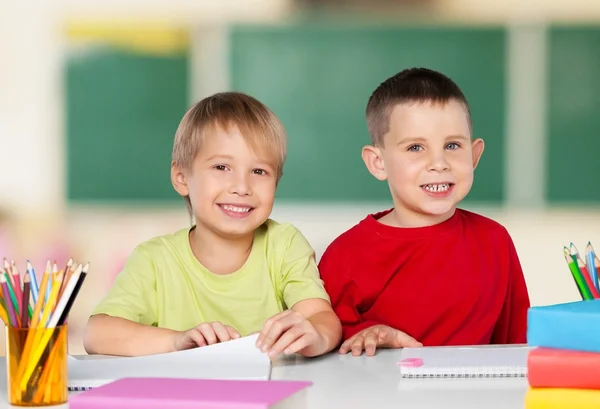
236 359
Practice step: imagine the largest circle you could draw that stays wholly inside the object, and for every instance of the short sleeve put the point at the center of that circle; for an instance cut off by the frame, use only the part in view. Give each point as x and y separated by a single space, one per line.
133 293
300 278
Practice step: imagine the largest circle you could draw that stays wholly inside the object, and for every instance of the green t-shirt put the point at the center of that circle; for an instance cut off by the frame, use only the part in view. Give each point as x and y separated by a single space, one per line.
163 284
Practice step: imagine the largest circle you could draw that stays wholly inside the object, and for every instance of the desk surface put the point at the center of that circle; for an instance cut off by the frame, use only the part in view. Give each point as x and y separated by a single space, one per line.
347 382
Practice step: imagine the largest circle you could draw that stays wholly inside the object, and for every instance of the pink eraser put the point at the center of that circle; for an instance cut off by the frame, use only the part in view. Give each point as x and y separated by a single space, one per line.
411 362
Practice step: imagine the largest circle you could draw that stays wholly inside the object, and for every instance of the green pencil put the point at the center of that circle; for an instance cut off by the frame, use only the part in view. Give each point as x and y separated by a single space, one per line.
577 275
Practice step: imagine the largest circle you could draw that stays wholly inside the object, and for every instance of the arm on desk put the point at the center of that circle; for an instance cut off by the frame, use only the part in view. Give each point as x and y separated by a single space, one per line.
118 336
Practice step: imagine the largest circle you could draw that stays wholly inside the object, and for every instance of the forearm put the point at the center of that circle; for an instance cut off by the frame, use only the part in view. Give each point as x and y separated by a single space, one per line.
328 326
118 336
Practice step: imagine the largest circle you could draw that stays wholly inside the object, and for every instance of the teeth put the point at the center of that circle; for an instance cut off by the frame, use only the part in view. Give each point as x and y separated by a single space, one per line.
236 209
437 188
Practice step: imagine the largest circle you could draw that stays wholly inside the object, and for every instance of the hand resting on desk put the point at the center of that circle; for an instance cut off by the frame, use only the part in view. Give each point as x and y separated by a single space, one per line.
377 336
310 328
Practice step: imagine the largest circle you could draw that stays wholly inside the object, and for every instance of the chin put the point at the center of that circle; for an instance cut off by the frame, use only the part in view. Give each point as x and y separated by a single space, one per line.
439 210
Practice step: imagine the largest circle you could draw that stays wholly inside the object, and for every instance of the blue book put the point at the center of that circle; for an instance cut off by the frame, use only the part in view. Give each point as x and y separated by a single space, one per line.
574 326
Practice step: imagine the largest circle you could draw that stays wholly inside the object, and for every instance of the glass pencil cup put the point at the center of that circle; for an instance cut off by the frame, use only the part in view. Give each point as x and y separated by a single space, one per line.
36 360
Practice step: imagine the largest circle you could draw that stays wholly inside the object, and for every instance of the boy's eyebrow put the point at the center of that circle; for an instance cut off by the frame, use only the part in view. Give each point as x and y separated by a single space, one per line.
421 139
457 137
261 162
402 141
219 156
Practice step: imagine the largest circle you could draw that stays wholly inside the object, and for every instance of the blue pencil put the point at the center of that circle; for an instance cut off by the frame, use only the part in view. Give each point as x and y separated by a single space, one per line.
591 262
34 284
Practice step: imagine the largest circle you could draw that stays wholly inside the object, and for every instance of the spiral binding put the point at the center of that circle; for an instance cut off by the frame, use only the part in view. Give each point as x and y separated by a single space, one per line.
79 388
505 372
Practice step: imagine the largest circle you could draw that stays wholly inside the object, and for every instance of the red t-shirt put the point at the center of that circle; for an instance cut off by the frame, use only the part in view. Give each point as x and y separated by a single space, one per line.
455 283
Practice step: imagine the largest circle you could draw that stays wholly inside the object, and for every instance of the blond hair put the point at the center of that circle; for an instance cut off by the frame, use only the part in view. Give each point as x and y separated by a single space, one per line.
258 125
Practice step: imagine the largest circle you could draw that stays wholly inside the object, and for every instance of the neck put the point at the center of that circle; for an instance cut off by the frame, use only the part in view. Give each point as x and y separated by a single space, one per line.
220 255
403 218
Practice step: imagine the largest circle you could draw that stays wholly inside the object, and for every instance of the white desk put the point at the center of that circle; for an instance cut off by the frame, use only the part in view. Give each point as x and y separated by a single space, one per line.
346 382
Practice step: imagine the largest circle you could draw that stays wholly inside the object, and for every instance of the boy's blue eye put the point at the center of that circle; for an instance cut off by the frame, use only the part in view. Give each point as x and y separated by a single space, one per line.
452 146
414 148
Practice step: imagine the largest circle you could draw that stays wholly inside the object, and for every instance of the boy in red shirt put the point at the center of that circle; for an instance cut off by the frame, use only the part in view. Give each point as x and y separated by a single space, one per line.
424 272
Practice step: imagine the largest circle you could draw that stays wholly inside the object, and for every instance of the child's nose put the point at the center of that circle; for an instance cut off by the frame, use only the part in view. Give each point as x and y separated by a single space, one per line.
438 163
240 186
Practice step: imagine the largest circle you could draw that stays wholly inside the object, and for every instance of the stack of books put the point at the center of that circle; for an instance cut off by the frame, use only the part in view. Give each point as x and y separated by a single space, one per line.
563 367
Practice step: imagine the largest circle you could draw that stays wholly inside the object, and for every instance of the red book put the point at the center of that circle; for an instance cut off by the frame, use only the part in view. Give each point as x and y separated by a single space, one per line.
561 368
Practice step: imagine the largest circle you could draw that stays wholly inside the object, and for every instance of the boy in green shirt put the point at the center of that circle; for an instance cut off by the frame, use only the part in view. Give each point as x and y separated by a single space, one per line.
235 271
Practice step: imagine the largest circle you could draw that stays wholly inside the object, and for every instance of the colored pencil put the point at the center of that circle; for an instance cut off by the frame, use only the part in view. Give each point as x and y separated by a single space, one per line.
593 264
10 308
577 276
25 303
7 269
34 283
11 298
584 273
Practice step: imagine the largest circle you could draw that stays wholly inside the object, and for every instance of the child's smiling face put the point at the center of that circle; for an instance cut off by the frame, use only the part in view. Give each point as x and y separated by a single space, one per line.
231 187
428 159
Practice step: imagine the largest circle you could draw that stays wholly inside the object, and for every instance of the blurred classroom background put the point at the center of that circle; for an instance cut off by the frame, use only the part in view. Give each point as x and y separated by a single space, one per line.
91 93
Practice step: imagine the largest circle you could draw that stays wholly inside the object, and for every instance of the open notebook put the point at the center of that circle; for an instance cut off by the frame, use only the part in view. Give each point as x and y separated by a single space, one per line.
238 359
464 362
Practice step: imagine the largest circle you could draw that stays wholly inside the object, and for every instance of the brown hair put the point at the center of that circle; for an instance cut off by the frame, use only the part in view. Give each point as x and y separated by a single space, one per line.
257 124
410 85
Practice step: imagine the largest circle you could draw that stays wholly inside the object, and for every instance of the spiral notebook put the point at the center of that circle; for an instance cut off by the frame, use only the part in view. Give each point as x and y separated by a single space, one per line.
238 359
464 362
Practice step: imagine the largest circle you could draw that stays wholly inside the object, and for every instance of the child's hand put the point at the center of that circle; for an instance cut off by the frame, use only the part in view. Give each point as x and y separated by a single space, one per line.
289 332
207 333
377 336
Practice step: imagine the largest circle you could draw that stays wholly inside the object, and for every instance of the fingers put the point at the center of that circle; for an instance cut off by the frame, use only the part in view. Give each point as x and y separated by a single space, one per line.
285 341
221 332
207 331
190 339
233 333
347 345
271 330
354 344
298 345
371 342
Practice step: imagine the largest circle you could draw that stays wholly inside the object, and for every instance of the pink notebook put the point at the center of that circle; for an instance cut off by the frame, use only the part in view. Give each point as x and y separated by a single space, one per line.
155 393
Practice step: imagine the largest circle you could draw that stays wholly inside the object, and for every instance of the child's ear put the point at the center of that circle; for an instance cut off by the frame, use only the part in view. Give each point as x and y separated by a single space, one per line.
374 161
477 150
179 180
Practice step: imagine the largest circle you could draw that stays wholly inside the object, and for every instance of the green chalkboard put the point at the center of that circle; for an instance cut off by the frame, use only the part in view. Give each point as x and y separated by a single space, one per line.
573 115
318 79
122 109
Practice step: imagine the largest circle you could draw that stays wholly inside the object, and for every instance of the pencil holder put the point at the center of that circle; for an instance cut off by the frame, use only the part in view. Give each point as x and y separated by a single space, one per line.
36 360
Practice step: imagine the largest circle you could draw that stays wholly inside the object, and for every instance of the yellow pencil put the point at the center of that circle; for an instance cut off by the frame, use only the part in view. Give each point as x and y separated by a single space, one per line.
41 340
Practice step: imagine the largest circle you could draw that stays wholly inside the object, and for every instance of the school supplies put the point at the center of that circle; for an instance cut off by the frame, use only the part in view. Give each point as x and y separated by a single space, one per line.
561 368
159 393
573 326
36 333
465 362
562 398
585 270
238 359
